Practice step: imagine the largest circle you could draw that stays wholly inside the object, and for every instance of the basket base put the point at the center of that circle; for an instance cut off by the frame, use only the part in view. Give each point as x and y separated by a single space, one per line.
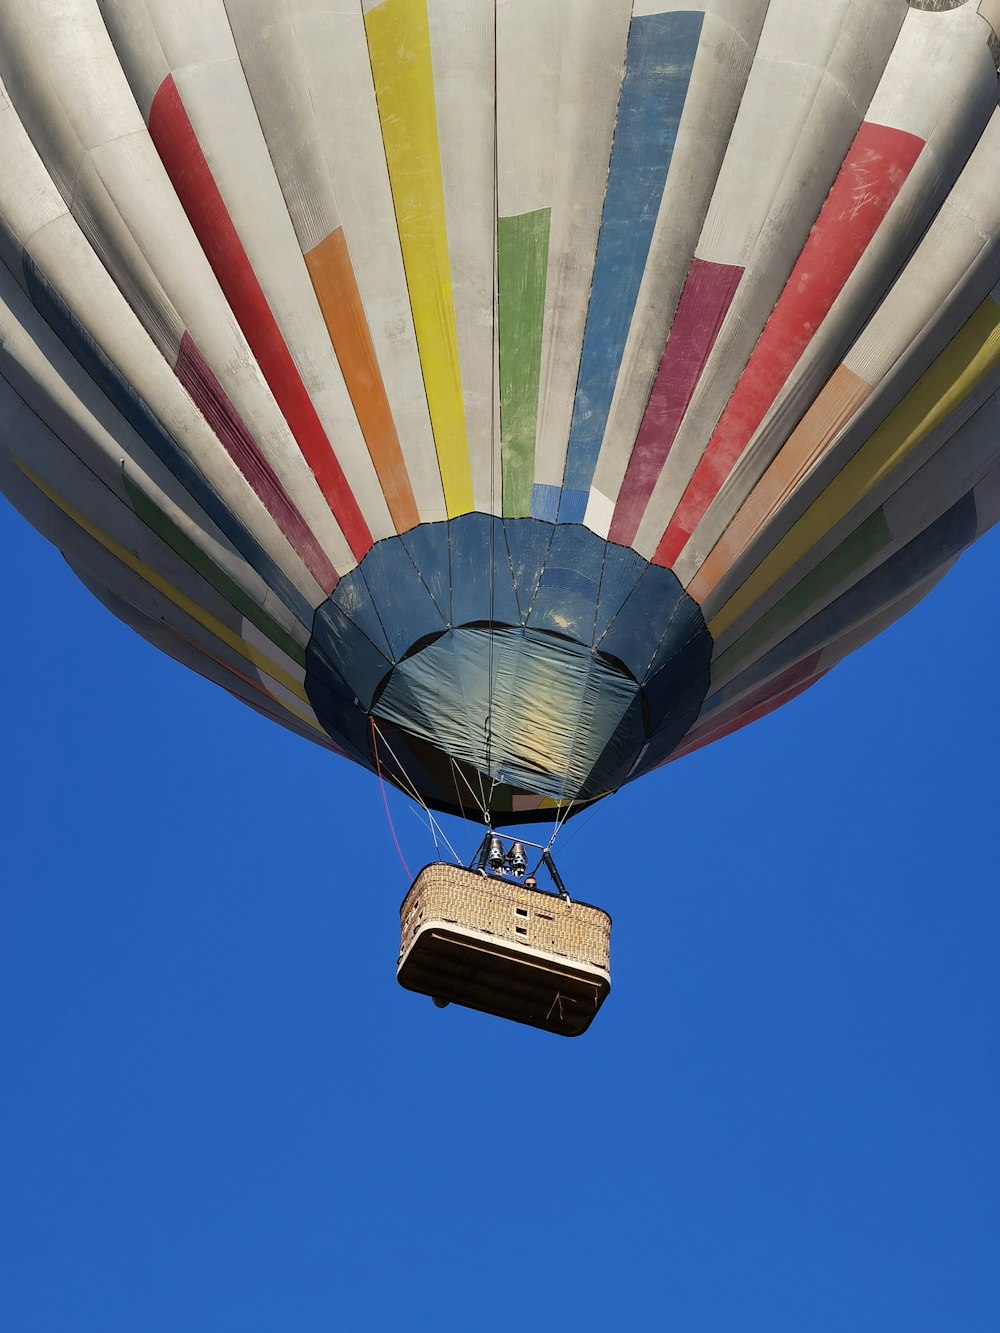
471 969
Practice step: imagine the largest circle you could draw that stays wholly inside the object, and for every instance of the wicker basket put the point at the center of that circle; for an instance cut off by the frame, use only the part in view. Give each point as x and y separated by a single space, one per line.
493 945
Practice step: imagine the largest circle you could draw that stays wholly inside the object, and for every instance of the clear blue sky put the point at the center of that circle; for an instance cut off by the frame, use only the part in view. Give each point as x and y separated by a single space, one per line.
219 1112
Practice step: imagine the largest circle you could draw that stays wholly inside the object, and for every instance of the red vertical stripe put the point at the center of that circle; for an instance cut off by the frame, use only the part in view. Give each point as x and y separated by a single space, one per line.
185 163
878 164
770 697
196 375
708 293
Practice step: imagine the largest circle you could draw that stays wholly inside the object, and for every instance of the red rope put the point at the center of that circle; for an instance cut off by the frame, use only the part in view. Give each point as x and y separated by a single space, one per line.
385 800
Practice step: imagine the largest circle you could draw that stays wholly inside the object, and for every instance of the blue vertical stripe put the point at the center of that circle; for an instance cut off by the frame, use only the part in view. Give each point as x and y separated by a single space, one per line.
658 64
545 502
115 387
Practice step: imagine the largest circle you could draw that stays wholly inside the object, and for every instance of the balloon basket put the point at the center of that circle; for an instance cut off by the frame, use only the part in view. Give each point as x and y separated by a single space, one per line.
484 942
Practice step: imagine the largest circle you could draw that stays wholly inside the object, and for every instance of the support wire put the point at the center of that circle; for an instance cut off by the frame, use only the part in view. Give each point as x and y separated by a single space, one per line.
385 802
413 790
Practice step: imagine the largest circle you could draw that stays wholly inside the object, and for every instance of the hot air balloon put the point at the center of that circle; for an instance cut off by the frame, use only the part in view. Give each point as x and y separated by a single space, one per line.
512 395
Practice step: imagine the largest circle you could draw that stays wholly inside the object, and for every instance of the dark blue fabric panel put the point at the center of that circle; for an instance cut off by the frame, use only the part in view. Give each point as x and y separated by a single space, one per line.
351 652
407 610
611 768
429 550
506 606
567 593
916 561
562 722
685 626
686 676
634 635
334 703
681 719
116 388
528 542
470 581
623 568
471 558
353 597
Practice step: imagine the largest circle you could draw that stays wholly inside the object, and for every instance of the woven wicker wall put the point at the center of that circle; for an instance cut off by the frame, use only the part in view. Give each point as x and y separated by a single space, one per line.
508 911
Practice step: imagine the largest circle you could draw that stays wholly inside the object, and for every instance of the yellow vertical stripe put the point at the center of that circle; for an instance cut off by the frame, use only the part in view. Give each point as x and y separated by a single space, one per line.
967 359
184 603
399 44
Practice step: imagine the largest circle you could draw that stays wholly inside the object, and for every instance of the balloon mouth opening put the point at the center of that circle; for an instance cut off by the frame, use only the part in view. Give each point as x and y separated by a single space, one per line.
517 721
514 668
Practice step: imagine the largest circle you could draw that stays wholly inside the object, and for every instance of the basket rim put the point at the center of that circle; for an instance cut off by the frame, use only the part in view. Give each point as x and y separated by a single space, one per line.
450 865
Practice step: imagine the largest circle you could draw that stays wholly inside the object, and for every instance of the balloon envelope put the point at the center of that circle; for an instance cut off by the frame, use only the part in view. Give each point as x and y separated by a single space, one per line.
512 394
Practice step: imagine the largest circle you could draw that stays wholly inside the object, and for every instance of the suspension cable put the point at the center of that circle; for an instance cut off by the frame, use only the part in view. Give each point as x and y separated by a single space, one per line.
385 802
481 802
414 791
458 792
436 831
494 393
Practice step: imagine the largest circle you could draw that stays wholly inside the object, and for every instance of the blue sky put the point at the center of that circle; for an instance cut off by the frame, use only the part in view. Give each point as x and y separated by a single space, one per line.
219 1112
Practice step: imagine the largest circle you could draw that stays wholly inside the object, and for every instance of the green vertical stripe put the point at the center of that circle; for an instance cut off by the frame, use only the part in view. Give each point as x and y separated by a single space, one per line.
854 551
522 265
192 554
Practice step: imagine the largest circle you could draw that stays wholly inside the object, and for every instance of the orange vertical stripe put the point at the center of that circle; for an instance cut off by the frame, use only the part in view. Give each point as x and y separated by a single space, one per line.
333 280
844 394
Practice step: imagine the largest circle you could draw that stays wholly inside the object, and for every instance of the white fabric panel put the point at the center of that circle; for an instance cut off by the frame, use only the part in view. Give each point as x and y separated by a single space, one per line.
877 496
187 655
265 37
836 649
718 80
139 606
217 100
34 220
956 468
943 44
805 46
130 25
31 442
29 201
334 51
990 11
949 474
119 193
250 634
988 502
733 12
600 511
935 294
529 47
966 99
464 64
590 80
816 67
47 378
966 229
198 49
529 37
